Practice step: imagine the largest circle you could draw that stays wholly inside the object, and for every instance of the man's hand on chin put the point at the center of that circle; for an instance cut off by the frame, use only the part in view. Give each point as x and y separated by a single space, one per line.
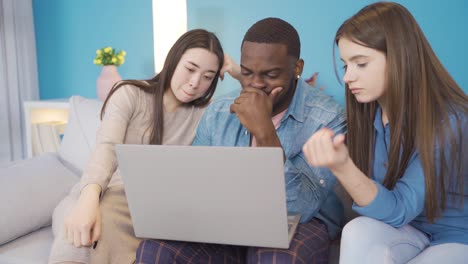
254 108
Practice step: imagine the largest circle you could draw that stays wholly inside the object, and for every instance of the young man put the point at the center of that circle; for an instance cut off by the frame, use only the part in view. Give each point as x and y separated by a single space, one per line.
275 108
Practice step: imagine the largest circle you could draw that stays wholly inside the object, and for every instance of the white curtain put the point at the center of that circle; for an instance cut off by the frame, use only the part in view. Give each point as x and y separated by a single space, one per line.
18 74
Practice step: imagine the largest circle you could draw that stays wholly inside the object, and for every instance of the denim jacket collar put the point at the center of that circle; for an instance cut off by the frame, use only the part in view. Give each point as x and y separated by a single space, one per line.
296 108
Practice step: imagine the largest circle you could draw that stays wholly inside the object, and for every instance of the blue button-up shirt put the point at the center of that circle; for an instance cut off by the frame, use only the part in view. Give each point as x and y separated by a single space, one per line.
309 190
405 203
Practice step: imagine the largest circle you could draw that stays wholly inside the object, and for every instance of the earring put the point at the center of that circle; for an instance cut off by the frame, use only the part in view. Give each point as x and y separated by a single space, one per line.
298 76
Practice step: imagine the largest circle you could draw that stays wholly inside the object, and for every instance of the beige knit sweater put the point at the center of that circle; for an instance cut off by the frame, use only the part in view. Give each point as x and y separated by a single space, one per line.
128 119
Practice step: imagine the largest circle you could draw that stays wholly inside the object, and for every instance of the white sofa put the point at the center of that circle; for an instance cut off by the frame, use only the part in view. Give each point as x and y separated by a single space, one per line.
30 189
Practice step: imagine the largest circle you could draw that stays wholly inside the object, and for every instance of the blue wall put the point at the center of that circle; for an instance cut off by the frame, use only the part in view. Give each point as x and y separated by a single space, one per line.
317 22
69 32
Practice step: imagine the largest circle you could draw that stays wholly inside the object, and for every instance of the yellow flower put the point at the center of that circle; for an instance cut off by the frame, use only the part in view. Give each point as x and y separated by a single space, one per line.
109 56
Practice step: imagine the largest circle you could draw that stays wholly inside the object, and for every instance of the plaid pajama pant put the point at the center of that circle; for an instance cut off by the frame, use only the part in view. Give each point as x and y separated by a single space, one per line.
309 245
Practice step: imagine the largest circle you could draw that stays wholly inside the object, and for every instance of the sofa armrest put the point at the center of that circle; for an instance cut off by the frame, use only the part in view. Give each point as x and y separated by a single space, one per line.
29 192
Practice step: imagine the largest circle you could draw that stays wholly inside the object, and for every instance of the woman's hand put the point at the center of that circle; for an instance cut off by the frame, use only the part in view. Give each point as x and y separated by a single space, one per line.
231 67
324 149
83 223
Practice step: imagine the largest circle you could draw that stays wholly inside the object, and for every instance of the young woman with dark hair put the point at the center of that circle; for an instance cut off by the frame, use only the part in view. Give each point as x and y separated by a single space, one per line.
163 110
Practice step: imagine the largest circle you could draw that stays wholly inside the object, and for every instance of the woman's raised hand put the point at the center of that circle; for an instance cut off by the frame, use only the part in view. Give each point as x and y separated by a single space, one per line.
324 149
231 67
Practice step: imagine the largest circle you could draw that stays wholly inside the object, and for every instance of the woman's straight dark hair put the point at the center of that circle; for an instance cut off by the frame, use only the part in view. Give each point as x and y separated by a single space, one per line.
197 38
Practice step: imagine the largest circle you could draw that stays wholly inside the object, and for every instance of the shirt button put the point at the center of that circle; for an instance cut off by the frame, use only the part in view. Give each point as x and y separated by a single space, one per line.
322 182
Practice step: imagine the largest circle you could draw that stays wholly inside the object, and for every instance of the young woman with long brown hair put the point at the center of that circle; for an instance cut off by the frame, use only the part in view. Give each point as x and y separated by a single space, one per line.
163 110
405 159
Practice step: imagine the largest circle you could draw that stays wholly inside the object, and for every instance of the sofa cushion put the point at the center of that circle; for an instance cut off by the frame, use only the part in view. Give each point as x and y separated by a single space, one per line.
80 134
33 248
29 192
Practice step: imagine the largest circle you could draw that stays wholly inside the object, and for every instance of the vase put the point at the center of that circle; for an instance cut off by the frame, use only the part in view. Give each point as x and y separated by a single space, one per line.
108 77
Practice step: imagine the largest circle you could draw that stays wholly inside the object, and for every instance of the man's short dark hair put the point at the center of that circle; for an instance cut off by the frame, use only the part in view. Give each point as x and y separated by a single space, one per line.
275 31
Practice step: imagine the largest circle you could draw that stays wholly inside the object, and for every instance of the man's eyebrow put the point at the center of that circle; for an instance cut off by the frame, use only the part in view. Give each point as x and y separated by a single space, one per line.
245 68
263 72
356 57
196 65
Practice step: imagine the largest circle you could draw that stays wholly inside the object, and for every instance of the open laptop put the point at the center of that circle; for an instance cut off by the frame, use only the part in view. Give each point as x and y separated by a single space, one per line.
223 195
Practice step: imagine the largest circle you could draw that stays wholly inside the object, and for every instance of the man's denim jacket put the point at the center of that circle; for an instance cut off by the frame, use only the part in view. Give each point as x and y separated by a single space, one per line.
309 190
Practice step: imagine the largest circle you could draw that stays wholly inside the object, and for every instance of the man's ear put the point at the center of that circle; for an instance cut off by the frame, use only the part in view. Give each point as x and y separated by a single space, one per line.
298 67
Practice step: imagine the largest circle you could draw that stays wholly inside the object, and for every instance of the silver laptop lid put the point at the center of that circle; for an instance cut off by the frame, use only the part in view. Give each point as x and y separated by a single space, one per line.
225 195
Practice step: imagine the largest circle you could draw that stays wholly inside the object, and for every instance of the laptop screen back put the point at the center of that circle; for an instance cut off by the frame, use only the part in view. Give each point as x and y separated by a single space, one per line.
225 195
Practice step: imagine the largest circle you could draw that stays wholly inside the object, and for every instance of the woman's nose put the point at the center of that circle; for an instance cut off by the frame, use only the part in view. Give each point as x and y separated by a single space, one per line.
194 81
348 76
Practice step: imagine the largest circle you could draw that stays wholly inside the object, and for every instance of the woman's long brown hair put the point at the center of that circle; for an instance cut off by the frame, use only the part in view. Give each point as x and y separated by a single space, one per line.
426 109
197 38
